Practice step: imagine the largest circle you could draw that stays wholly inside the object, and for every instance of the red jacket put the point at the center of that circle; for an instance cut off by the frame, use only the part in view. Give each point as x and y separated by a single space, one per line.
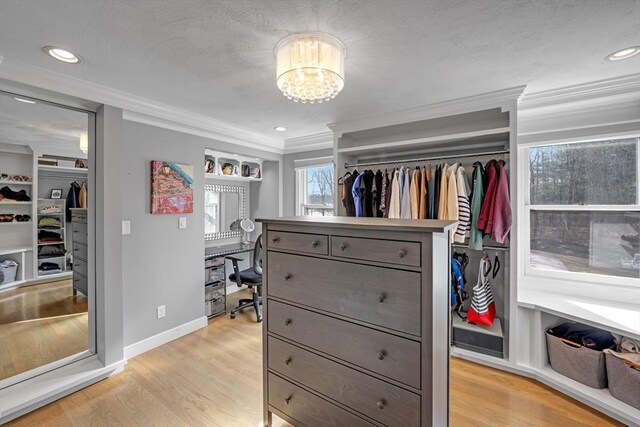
484 219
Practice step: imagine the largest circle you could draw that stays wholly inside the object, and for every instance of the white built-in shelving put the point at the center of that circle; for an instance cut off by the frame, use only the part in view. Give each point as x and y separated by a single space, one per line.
216 161
59 259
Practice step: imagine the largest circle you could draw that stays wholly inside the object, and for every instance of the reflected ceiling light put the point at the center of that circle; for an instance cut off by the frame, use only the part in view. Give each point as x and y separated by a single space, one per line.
624 53
84 143
280 128
26 101
63 55
310 67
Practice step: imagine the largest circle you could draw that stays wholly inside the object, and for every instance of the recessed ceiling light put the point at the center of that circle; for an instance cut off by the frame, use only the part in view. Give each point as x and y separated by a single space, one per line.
280 128
624 53
26 101
63 55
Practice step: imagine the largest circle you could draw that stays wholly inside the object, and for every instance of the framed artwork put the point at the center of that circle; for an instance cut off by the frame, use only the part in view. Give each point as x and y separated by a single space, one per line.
56 193
171 188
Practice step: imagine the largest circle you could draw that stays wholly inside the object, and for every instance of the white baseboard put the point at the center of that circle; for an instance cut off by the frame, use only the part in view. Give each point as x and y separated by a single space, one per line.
157 340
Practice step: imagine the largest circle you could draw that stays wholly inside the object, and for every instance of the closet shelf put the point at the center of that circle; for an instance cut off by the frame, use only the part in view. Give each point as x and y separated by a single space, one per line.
231 177
3 202
5 182
489 134
48 257
51 228
15 250
64 169
51 243
495 329
51 214
16 222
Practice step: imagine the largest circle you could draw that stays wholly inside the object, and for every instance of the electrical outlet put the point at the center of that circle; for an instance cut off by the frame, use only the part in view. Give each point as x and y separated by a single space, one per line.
182 222
162 310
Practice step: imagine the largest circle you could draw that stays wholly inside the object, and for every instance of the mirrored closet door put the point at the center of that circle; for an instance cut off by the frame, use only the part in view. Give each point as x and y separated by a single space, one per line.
46 214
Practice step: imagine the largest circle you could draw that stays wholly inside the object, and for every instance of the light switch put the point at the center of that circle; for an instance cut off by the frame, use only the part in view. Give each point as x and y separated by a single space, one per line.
182 223
126 228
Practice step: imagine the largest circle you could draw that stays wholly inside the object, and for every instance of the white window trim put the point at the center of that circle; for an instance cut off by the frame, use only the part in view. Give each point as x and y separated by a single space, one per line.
301 167
560 281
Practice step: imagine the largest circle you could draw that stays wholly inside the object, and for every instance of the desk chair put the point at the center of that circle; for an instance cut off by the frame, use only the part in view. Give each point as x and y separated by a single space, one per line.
252 277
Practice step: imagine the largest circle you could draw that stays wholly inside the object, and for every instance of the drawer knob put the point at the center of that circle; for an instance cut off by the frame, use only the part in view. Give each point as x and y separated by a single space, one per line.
382 297
343 246
382 354
275 239
287 276
287 322
314 243
381 404
287 400
288 361
402 253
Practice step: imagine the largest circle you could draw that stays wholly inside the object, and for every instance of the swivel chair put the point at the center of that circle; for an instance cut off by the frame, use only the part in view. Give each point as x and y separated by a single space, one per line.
252 277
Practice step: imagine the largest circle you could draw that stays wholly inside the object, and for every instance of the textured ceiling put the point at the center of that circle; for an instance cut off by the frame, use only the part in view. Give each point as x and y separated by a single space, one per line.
216 57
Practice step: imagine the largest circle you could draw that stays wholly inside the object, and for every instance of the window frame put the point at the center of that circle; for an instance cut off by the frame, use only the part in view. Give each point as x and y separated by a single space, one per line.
566 280
301 187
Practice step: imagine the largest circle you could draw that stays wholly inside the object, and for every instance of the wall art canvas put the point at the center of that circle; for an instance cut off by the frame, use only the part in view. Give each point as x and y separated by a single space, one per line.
171 188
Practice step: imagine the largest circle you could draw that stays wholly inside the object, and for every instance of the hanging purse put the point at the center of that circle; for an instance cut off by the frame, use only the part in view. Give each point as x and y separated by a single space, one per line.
483 308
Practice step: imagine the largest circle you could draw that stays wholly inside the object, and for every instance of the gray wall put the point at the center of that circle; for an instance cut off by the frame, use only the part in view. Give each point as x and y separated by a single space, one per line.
161 263
289 176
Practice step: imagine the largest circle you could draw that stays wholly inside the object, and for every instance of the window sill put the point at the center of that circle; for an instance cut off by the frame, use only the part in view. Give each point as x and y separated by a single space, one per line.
617 317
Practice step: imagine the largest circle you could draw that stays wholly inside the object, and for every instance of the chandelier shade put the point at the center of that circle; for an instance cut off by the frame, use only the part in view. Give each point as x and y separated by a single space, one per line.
310 67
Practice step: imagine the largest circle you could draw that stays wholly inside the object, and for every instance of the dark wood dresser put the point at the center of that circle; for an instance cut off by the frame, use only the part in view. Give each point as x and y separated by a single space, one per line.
357 315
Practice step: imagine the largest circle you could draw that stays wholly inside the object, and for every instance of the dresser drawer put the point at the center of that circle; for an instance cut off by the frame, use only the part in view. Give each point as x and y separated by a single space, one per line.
80 283
381 296
386 354
389 251
80 251
79 232
307 408
370 396
298 242
80 266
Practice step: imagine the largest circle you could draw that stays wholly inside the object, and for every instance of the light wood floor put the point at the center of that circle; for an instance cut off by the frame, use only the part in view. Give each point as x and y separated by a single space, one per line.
213 377
40 324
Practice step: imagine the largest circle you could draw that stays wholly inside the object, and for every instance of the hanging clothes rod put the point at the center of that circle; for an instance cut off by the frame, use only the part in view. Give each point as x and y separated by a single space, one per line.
488 248
426 159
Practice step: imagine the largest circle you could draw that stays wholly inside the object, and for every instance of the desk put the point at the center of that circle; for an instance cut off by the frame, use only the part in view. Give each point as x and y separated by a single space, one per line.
215 278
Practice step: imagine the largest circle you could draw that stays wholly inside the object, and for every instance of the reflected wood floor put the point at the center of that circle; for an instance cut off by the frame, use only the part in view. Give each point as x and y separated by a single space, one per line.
40 324
213 377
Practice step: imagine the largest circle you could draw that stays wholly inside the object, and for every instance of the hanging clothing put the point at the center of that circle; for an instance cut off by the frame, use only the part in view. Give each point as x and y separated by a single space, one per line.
377 197
349 204
424 194
444 188
416 189
358 195
464 211
475 235
83 196
501 219
431 174
387 201
394 201
72 199
367 202
489 197
405 204
452 194
383 194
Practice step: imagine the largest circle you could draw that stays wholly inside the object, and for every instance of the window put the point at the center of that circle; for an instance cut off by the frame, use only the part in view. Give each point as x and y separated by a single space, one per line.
315 190
583 211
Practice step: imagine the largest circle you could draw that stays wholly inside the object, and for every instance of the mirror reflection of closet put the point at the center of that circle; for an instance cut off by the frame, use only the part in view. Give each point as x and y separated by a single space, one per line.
46 300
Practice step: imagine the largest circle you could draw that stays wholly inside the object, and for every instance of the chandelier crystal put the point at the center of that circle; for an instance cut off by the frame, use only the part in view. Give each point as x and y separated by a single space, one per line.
310 67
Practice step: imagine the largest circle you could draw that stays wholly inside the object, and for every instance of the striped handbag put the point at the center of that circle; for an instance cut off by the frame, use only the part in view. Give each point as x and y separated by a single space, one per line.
483 308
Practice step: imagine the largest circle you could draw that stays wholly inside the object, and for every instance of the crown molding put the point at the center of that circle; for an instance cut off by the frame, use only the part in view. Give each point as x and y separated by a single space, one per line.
140 109
506 99
317 141
621 88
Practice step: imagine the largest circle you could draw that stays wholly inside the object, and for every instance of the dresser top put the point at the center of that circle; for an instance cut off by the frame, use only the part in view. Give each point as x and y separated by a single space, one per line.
417 225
